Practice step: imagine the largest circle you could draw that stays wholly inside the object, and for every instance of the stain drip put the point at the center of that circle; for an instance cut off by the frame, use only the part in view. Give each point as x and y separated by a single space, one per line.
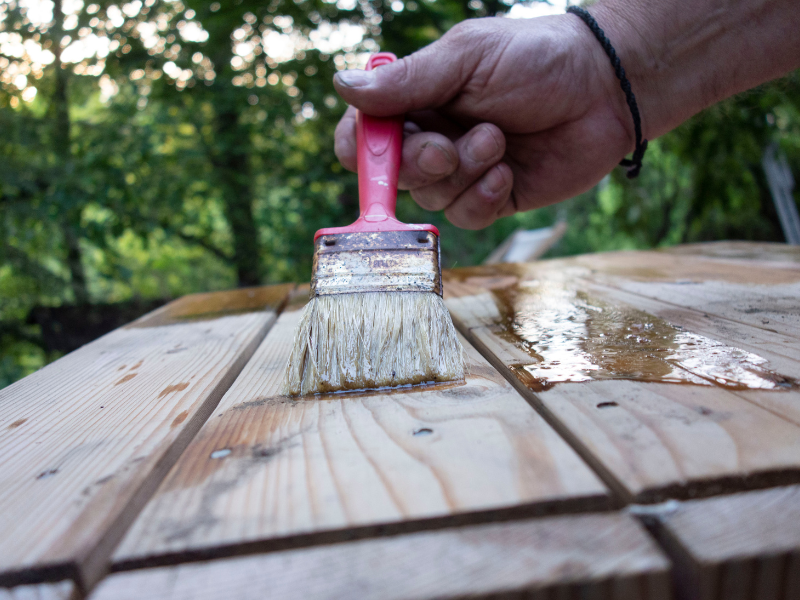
573 337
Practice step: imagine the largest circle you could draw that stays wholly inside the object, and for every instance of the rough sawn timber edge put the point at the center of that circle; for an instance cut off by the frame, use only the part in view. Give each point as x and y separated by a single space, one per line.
606 555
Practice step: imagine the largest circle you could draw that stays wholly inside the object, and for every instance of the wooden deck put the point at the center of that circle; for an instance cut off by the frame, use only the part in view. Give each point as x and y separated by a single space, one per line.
629 428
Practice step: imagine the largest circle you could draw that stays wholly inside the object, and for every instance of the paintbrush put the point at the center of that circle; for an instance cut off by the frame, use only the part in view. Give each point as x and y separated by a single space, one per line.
376 316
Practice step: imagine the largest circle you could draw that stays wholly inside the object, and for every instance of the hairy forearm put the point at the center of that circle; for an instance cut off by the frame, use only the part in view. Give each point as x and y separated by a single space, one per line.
684 55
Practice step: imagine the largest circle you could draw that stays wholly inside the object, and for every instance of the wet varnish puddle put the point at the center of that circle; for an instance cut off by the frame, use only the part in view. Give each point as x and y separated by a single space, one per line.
571 336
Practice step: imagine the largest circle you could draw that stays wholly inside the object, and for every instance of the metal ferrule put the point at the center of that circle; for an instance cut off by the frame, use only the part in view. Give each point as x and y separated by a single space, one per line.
389 261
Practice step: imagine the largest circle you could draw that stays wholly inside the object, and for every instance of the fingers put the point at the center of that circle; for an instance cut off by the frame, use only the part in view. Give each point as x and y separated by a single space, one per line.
344 140
484 201
478 151
427 158
466 178
428 78
434 120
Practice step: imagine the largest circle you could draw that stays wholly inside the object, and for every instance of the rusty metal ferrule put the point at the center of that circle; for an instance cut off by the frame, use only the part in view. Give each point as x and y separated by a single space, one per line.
389 261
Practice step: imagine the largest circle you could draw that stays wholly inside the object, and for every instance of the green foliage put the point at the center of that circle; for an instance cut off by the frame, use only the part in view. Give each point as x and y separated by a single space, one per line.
195 153
701 182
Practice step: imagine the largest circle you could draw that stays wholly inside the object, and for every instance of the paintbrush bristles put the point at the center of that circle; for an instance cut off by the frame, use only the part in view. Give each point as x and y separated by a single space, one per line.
372 340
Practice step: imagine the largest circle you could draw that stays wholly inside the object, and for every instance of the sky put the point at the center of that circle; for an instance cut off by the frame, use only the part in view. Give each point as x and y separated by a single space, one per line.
539 9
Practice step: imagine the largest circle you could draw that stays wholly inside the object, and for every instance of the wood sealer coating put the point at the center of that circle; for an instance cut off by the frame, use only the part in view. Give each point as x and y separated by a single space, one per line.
573 336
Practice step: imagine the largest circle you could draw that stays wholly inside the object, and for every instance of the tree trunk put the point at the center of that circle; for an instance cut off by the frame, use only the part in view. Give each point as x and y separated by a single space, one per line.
70 210
232 169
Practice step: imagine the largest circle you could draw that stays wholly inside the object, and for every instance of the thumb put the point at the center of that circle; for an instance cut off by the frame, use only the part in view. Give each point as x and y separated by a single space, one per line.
426 79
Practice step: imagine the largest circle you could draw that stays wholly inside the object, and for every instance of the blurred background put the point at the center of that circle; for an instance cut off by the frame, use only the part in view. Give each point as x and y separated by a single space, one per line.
156 148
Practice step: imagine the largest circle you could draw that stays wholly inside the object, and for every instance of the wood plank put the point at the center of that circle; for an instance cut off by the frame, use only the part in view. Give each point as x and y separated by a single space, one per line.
601 556
85 441
759 293
63 590
739 546
664 441
602 274
682 263
770 308
776 253
270 472
650 440
782 352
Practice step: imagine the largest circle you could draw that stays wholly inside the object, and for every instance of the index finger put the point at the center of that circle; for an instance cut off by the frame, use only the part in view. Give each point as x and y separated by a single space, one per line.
344 144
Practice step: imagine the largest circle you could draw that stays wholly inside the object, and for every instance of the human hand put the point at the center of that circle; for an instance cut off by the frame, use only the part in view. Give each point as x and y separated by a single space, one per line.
502 116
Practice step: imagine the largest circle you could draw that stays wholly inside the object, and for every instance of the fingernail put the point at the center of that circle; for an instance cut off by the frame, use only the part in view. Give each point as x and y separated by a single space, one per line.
434 160
355 78
493 182
482 146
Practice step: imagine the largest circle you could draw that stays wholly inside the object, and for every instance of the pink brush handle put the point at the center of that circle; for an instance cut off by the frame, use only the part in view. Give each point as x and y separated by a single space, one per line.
379 142
380 151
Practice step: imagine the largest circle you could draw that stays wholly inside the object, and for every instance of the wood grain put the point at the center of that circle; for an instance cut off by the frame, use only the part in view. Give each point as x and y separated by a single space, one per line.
775 253
743 546
63 590
664 441
600 556
269 472
85 441
634 278
761 294
650 441
782 352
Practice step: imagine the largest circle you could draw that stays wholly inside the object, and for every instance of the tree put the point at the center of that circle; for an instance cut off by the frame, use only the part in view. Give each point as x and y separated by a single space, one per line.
244 74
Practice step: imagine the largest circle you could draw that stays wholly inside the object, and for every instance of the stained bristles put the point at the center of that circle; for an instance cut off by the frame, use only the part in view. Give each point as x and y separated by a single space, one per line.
372 340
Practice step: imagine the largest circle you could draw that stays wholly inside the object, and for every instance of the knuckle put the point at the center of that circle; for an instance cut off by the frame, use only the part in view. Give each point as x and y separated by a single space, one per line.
498 136
405 77
338 150
465 220
403 72
428 199
465 31
344 153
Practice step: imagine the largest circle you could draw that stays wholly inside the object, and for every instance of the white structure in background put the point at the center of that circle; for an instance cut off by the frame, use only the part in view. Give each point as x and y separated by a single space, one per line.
524 246
538 8
781 184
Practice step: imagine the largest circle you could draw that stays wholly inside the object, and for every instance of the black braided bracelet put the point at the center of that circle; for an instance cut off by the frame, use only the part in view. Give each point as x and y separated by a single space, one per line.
635 163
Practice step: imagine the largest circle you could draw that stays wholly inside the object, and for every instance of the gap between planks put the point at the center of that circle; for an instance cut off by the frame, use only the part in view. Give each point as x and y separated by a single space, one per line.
269 473
743 546
602 556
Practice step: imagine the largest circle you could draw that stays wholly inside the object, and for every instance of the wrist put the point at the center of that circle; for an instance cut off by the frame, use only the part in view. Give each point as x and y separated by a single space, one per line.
682 56
622 27
635 162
